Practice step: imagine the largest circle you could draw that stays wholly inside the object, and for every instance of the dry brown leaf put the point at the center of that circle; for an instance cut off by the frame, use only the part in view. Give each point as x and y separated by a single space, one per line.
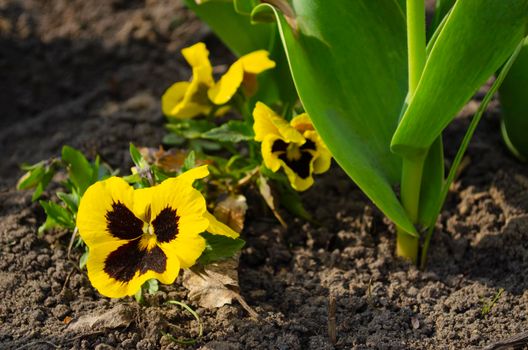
120 316
232 211
212 285
215 285
170 161
270 198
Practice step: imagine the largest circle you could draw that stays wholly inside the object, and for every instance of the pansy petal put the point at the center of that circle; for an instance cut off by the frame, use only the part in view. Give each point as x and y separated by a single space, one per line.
106 213
177 208
187 248
197 55
117 270
298 183
228 85
267 122
218 228
323 157
256 62
171 101
271 157
194 174
142 203
263 125
302 123
182 107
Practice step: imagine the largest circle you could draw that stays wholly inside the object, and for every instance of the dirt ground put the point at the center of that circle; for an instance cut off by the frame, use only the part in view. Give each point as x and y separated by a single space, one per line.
90 74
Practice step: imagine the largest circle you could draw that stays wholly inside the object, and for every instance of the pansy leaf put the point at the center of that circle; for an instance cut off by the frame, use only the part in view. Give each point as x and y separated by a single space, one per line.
136 156
189 162
32 177
58 214
232 131
152 285
353 84
219 247
80 170
475 40
84 258
190 129
173 140
70 199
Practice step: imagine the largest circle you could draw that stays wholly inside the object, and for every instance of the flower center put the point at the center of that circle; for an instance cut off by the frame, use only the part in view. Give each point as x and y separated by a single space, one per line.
148 229
293 152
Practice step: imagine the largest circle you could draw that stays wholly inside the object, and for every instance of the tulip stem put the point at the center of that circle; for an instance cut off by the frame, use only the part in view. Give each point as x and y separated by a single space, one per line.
407 246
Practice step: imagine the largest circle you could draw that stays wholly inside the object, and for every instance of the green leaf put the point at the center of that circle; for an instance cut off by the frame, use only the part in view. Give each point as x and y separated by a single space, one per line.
173 140
232 131
513 95
70 199
348 60
49 224
32 178
84 258
152 285
244 7
219 247
189 162
442 8
228 25
292 201
80 170
190 129
476 39
136 156
432 181
60 215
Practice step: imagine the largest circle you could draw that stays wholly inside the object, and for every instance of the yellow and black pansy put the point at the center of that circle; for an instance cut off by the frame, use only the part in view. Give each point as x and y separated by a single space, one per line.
198 97
294 146
134 235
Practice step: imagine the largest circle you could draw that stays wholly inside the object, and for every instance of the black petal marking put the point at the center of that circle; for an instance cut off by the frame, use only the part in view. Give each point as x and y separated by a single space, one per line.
123 263
299 166
122 223
166 225
279 146
308 145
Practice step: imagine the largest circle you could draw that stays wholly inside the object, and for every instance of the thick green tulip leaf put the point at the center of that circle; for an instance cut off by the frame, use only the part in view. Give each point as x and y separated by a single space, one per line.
432 181
442 8
476 39
514 101
234 29
348 61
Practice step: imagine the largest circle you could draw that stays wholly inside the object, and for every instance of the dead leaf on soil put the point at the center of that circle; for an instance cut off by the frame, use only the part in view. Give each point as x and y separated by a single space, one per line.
270 198
232 211
120 316
215 285
167 160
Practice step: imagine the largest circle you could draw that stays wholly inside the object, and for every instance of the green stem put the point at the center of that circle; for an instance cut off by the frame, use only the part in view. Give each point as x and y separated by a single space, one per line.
412 168
415 42
412 171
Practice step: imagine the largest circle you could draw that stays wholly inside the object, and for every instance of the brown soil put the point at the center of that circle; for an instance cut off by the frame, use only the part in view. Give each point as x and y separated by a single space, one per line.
89 74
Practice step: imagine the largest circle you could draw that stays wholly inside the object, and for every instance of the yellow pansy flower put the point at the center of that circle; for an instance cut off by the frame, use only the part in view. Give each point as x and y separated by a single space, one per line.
134 235
189 99
198 97
294 146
